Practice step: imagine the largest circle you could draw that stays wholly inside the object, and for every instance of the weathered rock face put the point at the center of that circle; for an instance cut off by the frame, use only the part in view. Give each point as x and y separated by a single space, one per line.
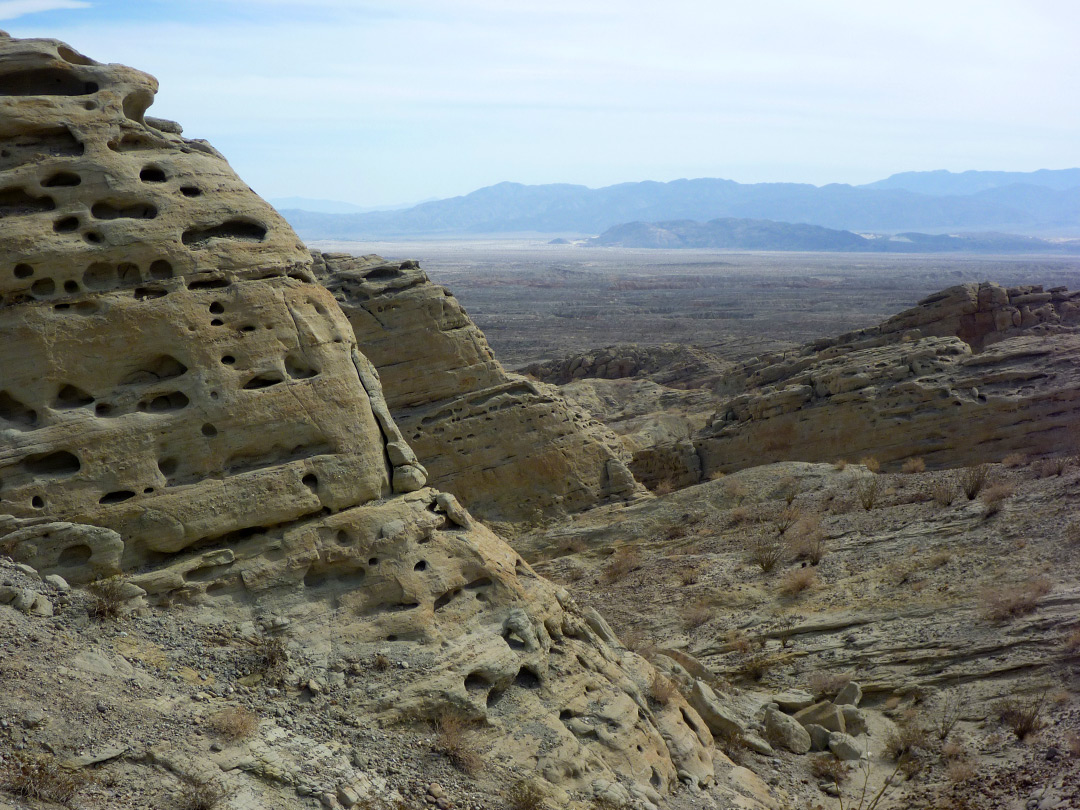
970 375
512 449
180 398
671 364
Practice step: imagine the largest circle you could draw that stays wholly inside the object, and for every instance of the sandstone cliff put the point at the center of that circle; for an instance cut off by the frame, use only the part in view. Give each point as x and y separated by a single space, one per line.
510 448
182 402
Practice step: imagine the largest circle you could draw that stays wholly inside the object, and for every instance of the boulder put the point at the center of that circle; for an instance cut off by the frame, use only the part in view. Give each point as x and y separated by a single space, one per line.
719 718
854 720
844 746
824 714
851 695
793 700
819 737
786 732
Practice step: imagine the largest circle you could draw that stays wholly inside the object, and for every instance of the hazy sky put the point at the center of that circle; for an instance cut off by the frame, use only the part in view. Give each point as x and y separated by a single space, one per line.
385 101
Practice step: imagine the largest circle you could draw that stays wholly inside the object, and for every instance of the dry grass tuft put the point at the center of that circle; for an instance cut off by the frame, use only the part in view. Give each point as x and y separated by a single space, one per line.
871 464
106 599
1050 467
688 575
939 559
200 794
664 487
907 740
697 615
526 795
827 768
1014 460
973 479
40 777
452 741
661 690
798 580
786 518
867 489
808 540
736 491
381 663
942 492
1023 717
840 465
995 495
270 658
914 465
623 561
756 664
1072 641
1072 534
235 723
828 684
1000 603
961 769
765 550
789 489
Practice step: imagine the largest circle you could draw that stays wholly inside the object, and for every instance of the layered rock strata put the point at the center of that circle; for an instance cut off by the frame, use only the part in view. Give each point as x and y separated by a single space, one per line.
181 401
969 375
511 448
671 364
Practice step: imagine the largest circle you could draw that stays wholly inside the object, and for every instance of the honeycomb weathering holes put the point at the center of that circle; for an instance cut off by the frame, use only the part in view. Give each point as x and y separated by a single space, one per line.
242 229
45 82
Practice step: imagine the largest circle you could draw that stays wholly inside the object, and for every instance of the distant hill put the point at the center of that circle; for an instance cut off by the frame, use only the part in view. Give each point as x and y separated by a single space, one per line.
758 234
943 182
571 209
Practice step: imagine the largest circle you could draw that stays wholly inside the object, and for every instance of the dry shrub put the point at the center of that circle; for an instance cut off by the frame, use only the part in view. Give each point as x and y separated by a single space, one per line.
664 487
623 561
270 658
1049 467
942 492
452 741
235 723
697 615
798 580
867 489
736 491
739 642
40 777
871 464
765 551
200 794
914 465
840 465
106 599
828 684
526 795
960 770
716 475
731 741
789 489
973 479
1072 534
1000 603
827 768
808 540
1072 641
950 709
939 559
1014 460
688 575
907 740
995 495
1072 742
381 663
756 664
661 689
739 515
1023 717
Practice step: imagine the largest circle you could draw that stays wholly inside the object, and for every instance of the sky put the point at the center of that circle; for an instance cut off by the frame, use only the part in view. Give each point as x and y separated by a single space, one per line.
378 102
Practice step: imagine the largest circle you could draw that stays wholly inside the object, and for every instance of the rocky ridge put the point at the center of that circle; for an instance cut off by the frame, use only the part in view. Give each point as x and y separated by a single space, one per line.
158 317
512 448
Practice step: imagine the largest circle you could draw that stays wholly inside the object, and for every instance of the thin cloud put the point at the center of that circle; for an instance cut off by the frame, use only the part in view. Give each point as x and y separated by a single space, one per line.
13 9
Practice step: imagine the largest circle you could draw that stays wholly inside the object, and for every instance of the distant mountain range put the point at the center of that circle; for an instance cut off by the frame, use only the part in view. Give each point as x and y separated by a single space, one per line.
1044 202
763 234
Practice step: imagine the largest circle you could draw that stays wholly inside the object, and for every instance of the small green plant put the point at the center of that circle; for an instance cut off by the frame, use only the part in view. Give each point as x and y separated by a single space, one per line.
40 777
106 599
973 479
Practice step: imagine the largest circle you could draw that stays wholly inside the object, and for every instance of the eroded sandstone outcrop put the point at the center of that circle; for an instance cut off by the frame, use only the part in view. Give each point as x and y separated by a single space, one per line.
969 375
180 401
511 448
